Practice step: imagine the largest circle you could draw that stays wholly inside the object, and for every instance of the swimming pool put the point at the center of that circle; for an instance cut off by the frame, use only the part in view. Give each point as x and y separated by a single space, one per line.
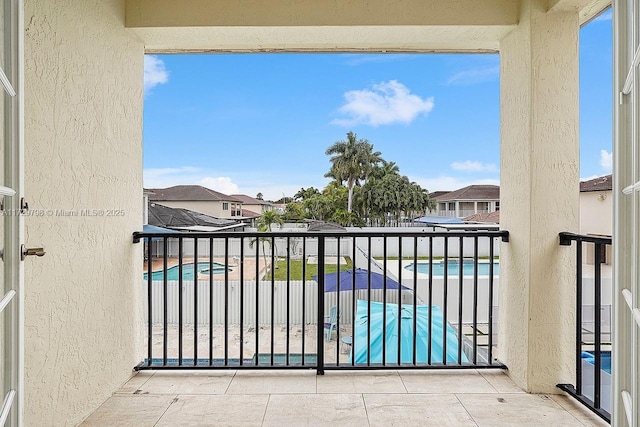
605 359
187 271
454 268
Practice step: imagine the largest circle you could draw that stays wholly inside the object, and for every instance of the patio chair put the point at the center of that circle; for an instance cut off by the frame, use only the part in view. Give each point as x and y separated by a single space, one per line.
331 321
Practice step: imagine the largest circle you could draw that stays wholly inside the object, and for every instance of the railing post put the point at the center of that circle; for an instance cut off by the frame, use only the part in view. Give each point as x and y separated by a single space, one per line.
320 337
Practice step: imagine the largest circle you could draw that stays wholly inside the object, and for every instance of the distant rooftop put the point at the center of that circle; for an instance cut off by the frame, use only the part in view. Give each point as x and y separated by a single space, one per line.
248 200
188 193
490 217
471 192
435 194
166 217
602 183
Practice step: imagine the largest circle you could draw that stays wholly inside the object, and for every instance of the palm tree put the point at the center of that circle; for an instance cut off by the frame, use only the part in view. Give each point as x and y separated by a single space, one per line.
264 225
352 161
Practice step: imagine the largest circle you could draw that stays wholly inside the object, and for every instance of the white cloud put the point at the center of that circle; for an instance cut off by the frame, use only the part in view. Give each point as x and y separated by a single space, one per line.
385 103
154 72
606 160
474 76
470 166
223 184
449 183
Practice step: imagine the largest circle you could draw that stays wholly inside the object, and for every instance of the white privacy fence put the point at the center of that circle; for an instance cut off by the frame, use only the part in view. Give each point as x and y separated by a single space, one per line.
296 307
249 306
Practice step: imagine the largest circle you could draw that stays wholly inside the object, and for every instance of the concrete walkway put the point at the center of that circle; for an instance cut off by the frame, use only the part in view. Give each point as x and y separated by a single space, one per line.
300 398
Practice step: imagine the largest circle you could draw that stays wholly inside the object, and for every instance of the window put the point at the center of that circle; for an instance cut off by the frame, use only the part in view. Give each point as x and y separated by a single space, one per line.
225 206
497 206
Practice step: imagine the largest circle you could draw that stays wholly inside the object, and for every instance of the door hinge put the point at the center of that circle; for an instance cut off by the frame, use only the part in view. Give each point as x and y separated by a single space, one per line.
24 206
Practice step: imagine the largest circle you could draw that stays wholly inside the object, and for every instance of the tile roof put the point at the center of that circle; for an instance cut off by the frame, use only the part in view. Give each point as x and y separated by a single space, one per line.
248 200
472 192
602 183
249 214
164 216
188 193
435 194
491 217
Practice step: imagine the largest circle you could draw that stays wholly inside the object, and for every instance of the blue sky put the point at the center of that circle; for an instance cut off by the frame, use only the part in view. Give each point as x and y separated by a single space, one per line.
250 123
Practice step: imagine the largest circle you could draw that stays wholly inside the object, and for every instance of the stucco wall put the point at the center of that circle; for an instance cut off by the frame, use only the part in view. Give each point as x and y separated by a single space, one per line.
213 209
596 214
83 108
539 183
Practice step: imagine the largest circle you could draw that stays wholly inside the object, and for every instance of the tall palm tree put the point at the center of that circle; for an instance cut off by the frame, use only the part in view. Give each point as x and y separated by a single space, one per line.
264 224
352 161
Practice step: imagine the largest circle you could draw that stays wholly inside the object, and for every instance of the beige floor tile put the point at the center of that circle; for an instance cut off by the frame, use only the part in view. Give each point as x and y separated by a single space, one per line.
188 382
130 410
270 382
136 381
316 410
416 410
446 381
500 381
360 382
516 409
225 410
584 415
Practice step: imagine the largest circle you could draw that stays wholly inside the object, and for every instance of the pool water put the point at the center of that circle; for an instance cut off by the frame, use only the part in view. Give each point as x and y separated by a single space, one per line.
605 360
187 271
454 268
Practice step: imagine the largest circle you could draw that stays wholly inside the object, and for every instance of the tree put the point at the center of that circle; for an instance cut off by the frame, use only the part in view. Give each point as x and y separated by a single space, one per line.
264 224
259 196
351 161
305 193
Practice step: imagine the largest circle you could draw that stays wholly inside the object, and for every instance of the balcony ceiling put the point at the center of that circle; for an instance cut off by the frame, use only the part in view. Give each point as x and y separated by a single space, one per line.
311 25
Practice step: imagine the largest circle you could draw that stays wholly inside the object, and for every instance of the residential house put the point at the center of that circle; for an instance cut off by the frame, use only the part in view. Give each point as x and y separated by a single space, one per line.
199 199
73 138
252 204
596 213
469 200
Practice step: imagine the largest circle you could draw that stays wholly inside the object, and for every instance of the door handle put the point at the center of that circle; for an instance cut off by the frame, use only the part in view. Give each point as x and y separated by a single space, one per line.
25 252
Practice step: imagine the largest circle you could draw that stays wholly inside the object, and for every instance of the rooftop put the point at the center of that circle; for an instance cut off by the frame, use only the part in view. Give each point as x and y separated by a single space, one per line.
248 200
490 217
188 193
164 216
278 398
601 183
472 192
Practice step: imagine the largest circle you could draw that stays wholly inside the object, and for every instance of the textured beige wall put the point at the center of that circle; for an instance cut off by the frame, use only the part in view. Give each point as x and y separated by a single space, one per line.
213 209
596 216
539 193
362 25
83 108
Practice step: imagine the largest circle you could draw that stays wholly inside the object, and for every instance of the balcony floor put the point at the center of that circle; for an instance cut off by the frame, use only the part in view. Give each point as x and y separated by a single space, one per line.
372 398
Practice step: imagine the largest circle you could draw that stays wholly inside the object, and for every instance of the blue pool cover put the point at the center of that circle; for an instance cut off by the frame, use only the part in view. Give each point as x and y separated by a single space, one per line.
362 319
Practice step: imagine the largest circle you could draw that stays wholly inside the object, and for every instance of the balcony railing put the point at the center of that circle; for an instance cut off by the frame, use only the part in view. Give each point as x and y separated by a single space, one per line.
340 300
593 324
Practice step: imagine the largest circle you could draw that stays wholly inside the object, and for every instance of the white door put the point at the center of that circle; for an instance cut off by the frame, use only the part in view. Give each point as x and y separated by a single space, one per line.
626 368
11 295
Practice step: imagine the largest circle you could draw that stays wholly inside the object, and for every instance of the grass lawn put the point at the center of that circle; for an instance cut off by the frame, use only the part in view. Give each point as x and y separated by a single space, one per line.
296 269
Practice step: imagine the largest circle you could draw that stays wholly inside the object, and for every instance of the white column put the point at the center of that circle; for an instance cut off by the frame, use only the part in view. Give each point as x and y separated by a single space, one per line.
475 207
539 197
457 209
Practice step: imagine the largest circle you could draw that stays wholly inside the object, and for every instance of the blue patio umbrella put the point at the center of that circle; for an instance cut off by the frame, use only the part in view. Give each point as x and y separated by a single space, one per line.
375 319
345 279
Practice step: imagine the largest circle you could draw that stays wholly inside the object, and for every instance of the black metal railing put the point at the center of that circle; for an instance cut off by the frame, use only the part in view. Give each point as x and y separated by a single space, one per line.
593 323
259 300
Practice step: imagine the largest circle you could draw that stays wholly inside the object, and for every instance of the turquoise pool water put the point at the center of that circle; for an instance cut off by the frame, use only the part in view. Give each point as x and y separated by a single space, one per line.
605 359
187 271
454 268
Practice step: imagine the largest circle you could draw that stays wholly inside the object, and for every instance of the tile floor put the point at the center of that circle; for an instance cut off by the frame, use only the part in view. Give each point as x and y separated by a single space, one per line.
300 398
